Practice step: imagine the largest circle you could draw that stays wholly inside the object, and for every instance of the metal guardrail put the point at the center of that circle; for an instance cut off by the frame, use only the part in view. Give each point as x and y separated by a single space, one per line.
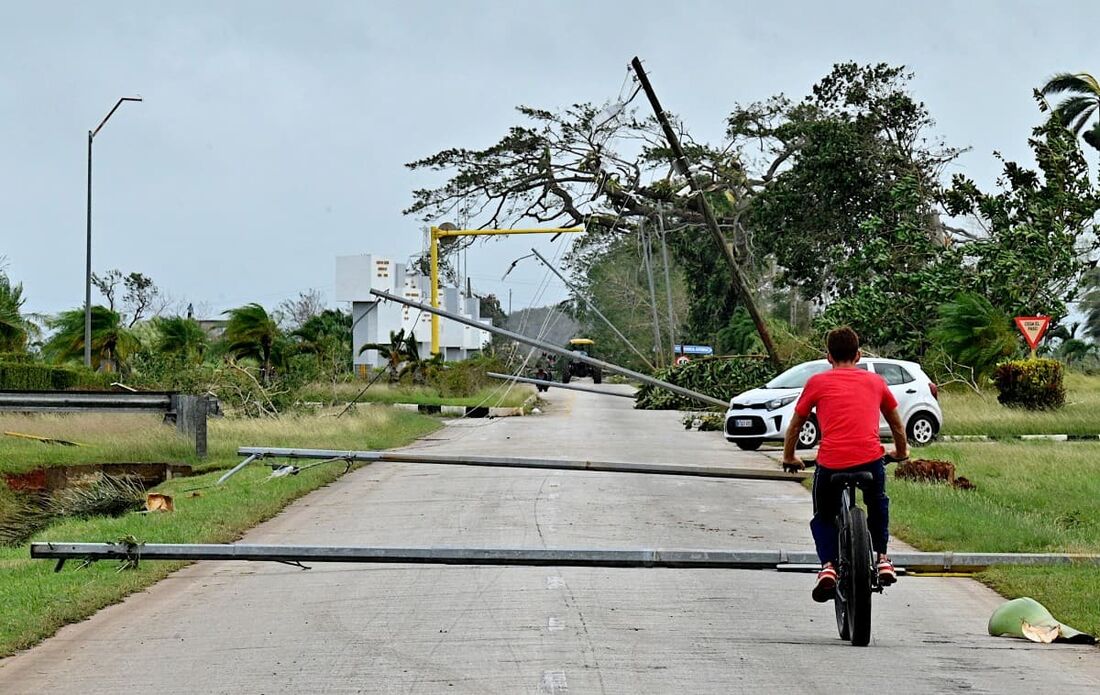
187 412
528 557
83 401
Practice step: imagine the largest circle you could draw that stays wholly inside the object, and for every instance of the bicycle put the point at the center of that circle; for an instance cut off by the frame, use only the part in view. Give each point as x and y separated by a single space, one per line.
857 575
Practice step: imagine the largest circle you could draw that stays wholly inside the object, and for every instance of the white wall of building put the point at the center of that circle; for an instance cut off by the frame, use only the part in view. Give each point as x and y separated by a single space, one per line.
373 320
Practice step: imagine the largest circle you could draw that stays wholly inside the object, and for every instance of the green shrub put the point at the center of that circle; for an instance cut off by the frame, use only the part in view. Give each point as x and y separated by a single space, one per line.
719 377
1035 384
28 376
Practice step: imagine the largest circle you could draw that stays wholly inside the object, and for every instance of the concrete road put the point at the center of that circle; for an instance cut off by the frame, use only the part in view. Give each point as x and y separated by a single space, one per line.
254 628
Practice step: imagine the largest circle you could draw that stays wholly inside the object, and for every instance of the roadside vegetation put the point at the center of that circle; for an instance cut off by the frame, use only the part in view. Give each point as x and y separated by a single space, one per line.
37 601
970 412
1028 497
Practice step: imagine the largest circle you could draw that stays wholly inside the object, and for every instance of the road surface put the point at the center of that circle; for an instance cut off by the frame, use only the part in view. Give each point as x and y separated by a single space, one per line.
259 628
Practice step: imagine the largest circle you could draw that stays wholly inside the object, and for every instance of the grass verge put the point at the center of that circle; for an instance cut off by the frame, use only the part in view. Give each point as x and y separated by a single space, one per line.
966 412
37 602
1030 497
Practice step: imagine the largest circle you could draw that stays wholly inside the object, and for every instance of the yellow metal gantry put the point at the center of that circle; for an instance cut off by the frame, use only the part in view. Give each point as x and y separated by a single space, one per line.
437 234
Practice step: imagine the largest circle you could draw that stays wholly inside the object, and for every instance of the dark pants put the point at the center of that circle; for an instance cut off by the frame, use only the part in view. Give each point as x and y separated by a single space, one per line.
827 502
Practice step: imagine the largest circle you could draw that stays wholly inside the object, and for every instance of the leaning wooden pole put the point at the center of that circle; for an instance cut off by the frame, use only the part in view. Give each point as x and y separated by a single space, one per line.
679 160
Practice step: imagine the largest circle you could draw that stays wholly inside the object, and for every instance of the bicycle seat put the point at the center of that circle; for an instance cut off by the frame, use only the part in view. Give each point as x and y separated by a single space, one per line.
846 478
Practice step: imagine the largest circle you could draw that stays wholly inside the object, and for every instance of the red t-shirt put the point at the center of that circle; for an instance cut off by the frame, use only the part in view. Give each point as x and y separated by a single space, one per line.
848 402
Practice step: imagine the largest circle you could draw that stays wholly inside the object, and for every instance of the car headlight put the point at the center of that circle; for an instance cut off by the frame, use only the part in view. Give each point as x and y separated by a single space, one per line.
777 403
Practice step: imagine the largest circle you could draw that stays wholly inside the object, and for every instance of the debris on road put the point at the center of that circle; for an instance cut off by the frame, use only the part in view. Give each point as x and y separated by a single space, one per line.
932 471
159 502
1026 618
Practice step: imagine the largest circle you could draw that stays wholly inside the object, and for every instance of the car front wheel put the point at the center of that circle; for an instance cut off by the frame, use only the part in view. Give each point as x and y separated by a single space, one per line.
921 429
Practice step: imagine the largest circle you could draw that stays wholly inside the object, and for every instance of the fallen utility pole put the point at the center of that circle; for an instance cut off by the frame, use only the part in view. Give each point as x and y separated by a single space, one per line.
679 160
557 385
528 557
398 456
551 348
580 295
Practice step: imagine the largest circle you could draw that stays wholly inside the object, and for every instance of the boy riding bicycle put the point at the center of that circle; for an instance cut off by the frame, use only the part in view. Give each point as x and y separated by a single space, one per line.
848 400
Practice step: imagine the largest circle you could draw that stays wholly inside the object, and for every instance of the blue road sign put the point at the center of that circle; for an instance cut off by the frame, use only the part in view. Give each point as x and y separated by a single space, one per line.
694 350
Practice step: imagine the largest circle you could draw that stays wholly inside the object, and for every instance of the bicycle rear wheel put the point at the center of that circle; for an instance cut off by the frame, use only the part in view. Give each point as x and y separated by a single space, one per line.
861 576
843 579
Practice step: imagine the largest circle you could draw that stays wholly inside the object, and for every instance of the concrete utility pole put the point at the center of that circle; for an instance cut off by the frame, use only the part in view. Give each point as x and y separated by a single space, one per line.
679 160
657 352
668 290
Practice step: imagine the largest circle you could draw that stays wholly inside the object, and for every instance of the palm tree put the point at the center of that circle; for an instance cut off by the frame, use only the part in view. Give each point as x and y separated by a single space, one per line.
112 341
975 333
181 337
1090 304
252 333
401 349
15 328
1075 111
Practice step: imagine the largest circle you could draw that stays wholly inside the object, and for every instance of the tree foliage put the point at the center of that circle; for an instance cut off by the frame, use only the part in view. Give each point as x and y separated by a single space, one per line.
975 333
251 333
1038 232
15 328
113 343
1075 111
180 337
140 298
792 179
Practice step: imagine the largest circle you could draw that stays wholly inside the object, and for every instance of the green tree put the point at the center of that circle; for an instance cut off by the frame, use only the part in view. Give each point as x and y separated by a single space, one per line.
847 152
1037 232
181 337
906 271
15 328
113 342
1090 303
326 336
975 333
1083 102
401 352
251 333
793 180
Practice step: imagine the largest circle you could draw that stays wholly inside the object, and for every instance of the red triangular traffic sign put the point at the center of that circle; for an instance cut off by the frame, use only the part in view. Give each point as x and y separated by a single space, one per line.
1033 328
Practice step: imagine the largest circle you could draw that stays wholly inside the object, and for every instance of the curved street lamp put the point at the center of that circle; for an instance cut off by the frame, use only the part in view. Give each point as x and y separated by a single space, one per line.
88 268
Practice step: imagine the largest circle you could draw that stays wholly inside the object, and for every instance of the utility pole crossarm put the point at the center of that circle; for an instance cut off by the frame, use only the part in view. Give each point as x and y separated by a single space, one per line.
679 160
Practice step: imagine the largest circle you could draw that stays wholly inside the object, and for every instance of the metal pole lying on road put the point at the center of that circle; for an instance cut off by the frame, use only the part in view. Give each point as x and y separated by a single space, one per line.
398 456
528 557
557 385
552 348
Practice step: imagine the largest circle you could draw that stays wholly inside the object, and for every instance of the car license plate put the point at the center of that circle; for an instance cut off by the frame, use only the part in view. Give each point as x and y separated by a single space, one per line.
742 423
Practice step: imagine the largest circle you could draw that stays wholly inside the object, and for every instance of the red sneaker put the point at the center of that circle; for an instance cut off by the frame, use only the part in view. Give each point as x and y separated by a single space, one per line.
825 588
886 573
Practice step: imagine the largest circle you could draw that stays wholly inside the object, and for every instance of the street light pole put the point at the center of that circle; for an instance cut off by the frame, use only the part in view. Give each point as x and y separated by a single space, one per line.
88 256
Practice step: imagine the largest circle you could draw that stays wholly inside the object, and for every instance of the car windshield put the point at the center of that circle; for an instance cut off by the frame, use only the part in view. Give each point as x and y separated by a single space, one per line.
796 377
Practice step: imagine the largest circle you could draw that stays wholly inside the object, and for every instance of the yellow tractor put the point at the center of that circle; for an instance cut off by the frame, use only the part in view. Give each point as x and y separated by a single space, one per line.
571 368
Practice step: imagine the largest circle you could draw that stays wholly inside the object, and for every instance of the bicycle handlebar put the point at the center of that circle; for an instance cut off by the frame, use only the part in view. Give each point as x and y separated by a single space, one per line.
811 463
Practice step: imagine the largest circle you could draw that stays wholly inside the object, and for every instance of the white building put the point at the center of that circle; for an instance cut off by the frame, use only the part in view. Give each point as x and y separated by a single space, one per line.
372 320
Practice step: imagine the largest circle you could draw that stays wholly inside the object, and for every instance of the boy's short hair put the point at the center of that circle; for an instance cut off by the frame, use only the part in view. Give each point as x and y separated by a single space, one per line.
842 344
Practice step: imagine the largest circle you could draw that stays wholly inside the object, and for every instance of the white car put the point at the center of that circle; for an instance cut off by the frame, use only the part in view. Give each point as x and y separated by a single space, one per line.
764 413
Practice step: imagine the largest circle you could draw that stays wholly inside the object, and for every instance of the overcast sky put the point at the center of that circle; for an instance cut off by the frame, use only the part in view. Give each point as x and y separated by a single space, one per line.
273 135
